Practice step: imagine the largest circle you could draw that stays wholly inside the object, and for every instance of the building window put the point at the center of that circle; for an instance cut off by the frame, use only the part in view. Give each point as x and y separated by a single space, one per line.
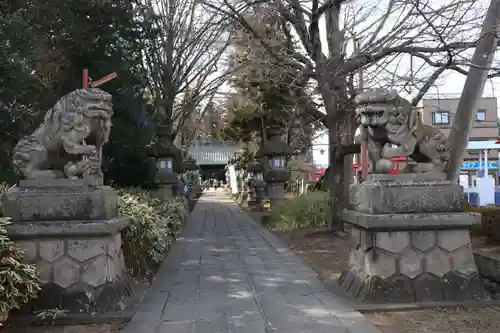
481 115
440 117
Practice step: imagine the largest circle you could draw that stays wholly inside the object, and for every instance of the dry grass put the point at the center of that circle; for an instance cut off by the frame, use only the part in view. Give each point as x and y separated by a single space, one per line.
439 321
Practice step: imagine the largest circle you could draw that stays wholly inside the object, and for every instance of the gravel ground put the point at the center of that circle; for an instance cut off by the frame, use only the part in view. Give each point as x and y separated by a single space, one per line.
326 254
105 328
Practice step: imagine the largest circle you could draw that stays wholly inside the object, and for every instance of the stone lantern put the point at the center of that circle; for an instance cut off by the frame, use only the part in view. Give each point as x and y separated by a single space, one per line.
277 175
190 164
165 155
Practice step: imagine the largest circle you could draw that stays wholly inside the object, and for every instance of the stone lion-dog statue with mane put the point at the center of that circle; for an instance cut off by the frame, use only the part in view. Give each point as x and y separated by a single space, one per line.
387 120
68 143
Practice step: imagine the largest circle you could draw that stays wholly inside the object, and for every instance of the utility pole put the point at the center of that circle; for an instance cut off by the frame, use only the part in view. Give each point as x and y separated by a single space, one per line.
473 90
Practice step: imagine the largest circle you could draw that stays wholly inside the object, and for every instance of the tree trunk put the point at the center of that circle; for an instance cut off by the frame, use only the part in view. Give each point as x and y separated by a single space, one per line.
338 122
473 90
340 172
336 186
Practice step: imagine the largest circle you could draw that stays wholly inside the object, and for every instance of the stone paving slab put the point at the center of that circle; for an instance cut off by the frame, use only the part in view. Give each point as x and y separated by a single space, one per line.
227 274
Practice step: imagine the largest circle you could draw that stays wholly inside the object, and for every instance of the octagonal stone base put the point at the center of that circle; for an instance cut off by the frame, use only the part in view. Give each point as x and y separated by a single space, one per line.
424 260
79 270
71 233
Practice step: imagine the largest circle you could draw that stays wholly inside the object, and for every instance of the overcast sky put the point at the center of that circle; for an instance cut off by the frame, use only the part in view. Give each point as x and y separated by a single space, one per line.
451 87
448 86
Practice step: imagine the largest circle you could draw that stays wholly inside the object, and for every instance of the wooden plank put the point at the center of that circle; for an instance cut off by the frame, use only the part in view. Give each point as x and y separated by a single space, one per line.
105 79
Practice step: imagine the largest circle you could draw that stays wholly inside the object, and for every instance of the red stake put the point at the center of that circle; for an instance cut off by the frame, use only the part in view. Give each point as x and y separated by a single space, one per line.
364 161
85 78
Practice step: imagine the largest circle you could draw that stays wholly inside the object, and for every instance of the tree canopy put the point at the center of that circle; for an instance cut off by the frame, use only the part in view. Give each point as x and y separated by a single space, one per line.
45 47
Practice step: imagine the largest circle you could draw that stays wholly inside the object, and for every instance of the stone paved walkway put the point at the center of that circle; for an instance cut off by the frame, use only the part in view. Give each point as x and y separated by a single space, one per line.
226 274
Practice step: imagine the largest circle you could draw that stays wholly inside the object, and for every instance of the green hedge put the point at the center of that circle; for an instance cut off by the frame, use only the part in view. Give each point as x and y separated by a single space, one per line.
154 226
18 281
3 188
300 212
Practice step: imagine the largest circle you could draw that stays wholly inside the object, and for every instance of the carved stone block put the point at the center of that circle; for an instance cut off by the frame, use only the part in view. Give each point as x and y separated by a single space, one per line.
406 193
61 202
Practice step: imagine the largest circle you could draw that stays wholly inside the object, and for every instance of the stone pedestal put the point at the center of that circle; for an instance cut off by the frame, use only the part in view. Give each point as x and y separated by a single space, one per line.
168 185
275 180
276 193
259 193
165 191
410 241
71 232
178 189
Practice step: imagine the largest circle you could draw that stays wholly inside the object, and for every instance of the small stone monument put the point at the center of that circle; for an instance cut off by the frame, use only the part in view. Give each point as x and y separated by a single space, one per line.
233 178
239 175
240 170
260 185
277 175
244 183
409 234
254 169
62 215
190 166
166 156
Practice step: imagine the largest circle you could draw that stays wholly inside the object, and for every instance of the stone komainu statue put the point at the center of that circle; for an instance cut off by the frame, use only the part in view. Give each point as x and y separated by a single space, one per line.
68 144
386 119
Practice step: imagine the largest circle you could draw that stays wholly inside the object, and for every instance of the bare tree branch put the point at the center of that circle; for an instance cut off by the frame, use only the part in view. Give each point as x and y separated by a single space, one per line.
182 56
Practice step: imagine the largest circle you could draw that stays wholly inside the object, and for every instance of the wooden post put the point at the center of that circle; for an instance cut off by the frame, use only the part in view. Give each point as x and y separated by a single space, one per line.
85 78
